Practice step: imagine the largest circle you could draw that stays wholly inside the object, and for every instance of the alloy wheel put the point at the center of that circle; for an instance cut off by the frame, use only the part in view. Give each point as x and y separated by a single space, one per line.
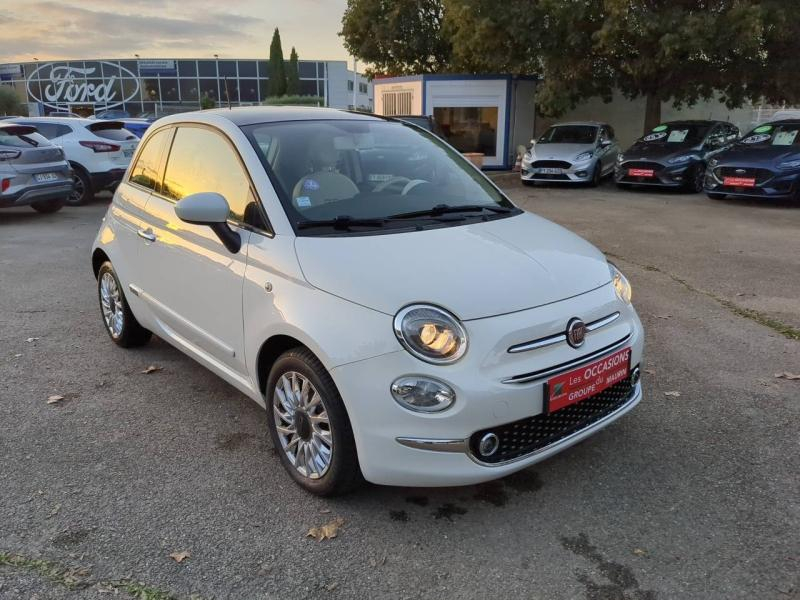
111 304
302 423
78 190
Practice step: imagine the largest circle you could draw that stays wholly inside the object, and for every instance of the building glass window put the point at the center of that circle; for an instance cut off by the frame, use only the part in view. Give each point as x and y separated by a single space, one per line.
187 68
208 87
169 90
229 89
308 69
247 68
130 65
110 70
263 68
189 91
227 68
349 85
207 68
248 90
263 89
469 128
308 87
150 89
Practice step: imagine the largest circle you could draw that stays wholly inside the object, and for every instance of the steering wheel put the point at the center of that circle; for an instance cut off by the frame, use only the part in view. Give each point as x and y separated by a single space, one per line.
408 184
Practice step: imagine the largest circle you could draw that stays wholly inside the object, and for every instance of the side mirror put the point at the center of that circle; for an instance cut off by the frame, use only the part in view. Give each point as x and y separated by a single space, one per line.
211 209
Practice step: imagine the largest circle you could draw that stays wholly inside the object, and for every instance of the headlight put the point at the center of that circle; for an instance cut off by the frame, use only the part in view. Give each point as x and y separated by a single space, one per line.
621 284
431 334
792 164
680 159
713 162
584 156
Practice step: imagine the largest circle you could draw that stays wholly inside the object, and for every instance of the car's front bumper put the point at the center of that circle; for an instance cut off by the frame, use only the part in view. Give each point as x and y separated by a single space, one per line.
400 447
673 176
581 172
768 183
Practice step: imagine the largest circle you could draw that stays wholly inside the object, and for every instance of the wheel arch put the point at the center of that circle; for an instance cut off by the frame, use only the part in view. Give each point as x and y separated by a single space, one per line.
98 258
269 352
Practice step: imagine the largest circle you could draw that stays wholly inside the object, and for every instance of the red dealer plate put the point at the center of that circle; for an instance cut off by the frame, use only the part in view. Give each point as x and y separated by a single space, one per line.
739 181
586 381
641 172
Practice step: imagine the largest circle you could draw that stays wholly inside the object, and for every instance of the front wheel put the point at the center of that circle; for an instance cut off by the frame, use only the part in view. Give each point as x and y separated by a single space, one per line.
597 175
696 179
121 326
48 206
309 425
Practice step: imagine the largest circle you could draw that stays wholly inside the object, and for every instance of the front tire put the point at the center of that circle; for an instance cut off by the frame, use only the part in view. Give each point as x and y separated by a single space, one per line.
696 179
597 175
120 324
48 206
309 425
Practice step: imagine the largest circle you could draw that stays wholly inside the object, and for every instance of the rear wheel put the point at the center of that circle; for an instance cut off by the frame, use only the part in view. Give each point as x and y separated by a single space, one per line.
121 326
309 425
82 188
48 206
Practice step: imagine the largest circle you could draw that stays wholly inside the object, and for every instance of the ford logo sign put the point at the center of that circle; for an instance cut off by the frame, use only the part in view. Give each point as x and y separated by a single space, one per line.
68 85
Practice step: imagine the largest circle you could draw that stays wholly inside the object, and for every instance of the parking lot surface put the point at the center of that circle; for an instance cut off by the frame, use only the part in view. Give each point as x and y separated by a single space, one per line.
694 494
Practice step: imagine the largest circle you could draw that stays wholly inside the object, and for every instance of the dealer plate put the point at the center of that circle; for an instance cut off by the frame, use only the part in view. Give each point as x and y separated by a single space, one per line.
739 182
586 381
641 172
45 177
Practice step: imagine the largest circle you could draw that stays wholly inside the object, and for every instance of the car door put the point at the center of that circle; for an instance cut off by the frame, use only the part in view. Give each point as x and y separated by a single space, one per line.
127 213
192 283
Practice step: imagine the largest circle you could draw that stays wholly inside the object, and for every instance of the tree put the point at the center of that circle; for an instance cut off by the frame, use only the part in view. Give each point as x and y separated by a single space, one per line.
277 69
207 102
662 50
397 36
9 102
293 75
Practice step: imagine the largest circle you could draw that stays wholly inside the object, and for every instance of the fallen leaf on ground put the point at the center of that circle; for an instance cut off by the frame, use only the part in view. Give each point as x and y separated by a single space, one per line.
331 586
327 531
787 375
325 511
54 512
179 557
55 399
639 552
17 355
674 394
152 369
663 316
650 371
31 339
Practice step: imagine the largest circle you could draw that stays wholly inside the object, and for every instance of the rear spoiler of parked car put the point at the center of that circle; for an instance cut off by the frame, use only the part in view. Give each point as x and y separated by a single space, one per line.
101 125
12 129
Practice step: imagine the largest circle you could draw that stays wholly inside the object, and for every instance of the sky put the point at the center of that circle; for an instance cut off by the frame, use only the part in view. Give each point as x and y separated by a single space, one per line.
85 29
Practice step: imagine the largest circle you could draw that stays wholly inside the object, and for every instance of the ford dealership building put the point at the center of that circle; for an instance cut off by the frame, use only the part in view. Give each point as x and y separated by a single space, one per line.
163 86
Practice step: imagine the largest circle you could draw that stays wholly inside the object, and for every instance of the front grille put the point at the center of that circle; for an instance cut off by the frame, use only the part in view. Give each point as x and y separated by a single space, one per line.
553 164
641 164
535 433
760 175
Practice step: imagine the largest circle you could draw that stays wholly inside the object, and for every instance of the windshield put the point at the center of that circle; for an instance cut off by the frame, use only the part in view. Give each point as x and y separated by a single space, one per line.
677 133
382 173
569 134
785 134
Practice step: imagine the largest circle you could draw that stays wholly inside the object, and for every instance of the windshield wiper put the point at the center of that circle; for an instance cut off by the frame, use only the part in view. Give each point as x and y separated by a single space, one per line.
341 223
443 209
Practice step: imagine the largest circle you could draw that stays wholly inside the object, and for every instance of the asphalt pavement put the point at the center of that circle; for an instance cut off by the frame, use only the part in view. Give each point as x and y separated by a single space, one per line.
694 494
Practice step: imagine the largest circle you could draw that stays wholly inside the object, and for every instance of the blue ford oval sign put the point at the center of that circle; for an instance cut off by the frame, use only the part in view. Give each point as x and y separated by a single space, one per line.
69 85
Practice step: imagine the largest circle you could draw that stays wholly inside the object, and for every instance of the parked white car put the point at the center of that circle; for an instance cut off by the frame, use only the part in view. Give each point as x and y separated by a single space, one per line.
98 151
398 317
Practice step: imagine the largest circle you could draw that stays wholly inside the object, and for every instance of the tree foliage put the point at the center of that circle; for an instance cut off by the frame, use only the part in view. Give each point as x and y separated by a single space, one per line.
277 68
397 36
293 75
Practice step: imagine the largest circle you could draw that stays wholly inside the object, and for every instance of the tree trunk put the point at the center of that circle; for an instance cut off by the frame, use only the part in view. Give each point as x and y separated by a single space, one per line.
652 112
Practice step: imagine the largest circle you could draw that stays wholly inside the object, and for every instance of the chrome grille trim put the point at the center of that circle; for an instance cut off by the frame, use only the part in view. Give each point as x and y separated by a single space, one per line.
544 373
552 340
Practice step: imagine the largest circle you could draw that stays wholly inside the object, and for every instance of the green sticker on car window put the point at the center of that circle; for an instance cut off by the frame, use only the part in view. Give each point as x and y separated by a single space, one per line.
660 128
763 129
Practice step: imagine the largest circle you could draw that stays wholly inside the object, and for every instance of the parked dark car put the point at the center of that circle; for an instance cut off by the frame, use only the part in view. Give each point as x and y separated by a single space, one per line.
136 126
674 154
764 164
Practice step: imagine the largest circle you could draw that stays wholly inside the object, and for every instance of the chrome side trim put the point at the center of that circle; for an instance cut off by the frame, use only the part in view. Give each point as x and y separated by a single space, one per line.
573 438
551 340
434 445
536 375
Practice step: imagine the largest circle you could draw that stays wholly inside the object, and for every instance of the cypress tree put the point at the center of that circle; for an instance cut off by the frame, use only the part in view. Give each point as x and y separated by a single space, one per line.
277 69
293 75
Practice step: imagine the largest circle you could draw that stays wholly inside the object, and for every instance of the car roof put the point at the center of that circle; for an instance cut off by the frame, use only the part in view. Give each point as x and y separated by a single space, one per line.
583 123
64 120
251 115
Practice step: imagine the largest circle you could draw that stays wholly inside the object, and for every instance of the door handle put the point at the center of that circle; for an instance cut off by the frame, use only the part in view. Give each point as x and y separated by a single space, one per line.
147 234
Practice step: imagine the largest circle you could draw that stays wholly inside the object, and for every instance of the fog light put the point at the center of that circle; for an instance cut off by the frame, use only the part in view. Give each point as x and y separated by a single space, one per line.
422 394
636 375
581 173
488 445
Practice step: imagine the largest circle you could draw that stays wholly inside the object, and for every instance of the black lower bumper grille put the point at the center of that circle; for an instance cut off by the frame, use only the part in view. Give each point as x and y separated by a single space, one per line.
557 164
534 433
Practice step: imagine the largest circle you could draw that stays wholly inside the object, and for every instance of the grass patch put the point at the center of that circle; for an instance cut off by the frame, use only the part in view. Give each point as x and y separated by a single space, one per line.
140 591
759 317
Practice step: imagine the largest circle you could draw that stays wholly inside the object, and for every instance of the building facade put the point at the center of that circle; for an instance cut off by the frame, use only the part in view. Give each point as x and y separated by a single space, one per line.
165 86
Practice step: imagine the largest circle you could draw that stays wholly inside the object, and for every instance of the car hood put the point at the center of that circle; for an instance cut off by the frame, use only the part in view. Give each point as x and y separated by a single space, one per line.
659 152
766 156
477 270
566 152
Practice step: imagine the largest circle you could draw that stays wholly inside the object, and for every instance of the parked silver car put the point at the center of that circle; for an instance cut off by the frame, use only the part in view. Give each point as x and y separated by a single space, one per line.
580 152
33 172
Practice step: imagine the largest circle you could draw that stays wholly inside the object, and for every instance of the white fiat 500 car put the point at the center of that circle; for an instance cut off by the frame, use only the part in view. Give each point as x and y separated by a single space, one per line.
398 317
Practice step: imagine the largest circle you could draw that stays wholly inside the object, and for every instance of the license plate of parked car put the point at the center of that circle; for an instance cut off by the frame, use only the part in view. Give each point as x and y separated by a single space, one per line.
641 172
127 153
550 171
739 181
45 177
586 381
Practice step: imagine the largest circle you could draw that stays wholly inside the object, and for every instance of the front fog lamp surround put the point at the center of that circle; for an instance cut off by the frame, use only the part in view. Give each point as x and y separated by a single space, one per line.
431 334
422 394
621 284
